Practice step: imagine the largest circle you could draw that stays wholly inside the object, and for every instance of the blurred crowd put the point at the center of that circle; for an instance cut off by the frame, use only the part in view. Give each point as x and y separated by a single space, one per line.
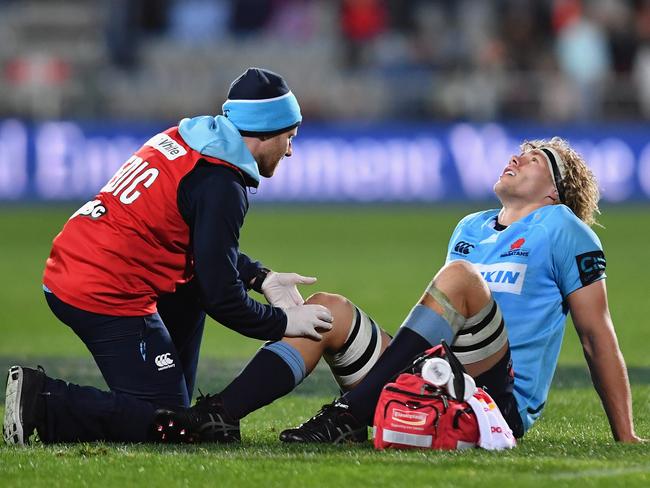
549 60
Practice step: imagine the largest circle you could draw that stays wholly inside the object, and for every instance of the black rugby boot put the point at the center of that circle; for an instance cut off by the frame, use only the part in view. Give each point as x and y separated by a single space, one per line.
333 424
206 421
24 404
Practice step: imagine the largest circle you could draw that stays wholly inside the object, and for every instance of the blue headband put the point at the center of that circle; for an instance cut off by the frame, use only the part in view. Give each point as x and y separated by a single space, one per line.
269 115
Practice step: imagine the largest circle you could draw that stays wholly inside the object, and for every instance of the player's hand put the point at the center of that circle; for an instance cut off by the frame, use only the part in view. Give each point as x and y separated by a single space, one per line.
307 320
280 289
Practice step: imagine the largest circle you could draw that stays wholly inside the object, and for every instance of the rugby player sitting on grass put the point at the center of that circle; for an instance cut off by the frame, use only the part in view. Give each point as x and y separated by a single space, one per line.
512 276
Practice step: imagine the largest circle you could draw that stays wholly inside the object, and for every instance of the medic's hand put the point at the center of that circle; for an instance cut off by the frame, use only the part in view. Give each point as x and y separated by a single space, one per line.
306 320
280 288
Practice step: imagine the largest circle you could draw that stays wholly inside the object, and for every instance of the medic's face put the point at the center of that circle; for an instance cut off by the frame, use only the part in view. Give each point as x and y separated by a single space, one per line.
272 150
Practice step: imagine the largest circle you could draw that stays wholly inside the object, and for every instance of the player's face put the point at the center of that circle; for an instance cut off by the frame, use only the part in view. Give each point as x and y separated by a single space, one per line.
526 177
273 149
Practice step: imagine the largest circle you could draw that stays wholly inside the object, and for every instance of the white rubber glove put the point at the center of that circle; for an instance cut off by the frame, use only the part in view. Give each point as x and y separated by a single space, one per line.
303 320
280 288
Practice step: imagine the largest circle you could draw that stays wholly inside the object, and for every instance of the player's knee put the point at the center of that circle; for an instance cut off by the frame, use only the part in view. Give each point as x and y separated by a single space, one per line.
338 305
355 342
331 301
464 287
458 272
342 312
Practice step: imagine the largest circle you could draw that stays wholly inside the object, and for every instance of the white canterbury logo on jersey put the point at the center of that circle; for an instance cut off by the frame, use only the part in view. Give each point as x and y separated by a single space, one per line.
163 361
167 146
503 277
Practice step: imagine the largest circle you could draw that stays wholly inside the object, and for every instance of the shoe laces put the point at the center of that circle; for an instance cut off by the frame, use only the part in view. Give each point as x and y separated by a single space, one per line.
204 399
210 408
327 412
208 401
208 404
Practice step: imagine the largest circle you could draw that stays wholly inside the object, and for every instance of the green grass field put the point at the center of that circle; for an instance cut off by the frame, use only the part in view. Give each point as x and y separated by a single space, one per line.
381 258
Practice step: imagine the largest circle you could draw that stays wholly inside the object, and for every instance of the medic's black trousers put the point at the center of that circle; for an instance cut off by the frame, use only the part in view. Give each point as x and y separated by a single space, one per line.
147 362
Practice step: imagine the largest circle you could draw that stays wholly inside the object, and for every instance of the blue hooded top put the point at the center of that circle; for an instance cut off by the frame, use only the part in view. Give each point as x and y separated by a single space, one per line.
219 138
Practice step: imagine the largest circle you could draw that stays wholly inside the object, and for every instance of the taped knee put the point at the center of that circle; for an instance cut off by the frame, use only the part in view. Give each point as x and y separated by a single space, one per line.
455 319
481 335
360 352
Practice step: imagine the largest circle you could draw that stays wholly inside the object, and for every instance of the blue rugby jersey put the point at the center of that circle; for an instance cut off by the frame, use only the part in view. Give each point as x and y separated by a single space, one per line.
531 267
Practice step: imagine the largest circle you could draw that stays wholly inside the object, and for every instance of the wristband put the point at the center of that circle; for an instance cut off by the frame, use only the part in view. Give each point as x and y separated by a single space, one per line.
256 282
